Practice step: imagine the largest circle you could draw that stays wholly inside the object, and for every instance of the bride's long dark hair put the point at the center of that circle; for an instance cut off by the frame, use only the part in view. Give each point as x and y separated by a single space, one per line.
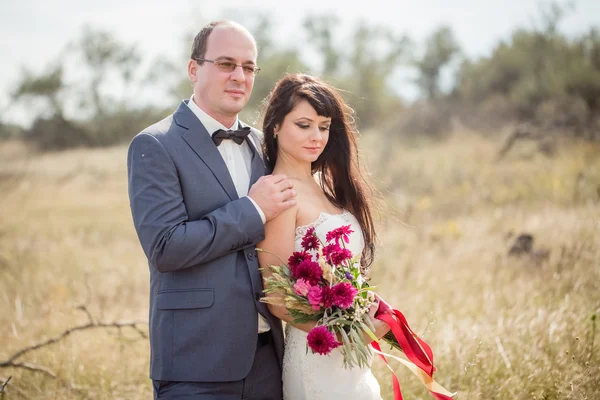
338 166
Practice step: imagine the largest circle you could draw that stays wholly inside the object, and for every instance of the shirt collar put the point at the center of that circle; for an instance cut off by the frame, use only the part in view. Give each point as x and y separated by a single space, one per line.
211 124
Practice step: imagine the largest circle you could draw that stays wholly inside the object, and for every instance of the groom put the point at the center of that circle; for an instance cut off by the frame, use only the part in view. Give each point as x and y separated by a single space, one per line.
199 200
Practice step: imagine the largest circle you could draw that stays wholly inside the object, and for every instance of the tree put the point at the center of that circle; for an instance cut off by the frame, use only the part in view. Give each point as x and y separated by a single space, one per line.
105 57
48 87
375 55
539 76
440 49
320 33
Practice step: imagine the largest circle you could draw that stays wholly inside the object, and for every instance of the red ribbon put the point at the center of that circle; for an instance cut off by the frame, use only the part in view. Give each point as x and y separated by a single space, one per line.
395 382
415 349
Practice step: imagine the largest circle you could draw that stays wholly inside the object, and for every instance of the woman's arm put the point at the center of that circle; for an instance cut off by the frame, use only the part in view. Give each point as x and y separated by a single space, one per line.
280 235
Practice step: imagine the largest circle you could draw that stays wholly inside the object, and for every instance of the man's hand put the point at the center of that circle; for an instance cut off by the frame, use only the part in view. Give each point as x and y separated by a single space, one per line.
273 194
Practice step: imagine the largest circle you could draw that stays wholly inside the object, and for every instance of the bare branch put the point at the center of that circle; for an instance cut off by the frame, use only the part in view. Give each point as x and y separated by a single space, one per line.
4 384
140 332
84 308
519 133
91 325
33 367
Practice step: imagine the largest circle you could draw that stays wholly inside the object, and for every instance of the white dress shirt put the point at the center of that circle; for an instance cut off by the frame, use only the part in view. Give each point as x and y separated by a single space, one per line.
238 158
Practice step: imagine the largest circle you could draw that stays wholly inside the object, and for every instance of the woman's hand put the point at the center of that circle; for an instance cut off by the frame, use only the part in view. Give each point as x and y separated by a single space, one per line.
381 328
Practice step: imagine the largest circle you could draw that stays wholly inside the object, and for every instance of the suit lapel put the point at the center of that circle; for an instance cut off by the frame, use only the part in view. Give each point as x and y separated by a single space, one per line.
257 165
198 138
257 168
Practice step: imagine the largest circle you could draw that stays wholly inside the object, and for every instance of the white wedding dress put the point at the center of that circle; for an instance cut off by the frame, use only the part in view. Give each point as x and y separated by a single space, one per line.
308 376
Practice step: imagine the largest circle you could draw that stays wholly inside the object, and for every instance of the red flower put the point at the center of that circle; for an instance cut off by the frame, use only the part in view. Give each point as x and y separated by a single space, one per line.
327 297
298 257
329 250
310 241
343 232
341 256
336 255
343 295
320 296
309 271
321 340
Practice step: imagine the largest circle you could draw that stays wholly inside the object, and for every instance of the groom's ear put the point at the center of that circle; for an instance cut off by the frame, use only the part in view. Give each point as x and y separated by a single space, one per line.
192 70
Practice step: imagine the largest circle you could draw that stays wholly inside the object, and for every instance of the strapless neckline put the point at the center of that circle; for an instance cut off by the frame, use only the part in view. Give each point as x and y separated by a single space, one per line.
301 229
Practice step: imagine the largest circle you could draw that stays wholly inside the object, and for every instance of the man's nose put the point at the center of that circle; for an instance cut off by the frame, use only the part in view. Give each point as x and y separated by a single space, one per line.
238 74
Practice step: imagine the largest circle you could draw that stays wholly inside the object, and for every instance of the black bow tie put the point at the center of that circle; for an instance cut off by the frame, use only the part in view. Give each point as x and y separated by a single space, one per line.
237 136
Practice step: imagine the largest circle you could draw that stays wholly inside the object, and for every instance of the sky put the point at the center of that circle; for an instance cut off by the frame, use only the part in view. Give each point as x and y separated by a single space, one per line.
33 33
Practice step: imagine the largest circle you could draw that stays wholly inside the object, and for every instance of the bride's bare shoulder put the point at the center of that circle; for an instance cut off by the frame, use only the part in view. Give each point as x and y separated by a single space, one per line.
284 219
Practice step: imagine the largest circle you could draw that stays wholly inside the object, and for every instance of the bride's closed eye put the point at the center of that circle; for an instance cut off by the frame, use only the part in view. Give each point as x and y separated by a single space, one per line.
305 126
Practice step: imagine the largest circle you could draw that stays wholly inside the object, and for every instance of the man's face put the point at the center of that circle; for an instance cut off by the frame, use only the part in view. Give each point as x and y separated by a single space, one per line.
222 94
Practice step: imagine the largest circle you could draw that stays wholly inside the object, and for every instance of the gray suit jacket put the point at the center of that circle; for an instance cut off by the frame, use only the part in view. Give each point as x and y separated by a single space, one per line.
199 238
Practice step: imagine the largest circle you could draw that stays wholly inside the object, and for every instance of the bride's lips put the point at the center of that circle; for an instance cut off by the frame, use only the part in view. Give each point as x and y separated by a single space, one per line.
313 149
235 93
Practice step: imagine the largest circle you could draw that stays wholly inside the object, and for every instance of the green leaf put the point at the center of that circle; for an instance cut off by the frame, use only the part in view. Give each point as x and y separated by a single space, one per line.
369 331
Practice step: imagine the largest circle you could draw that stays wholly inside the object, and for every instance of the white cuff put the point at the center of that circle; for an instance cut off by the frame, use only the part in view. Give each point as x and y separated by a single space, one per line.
260 212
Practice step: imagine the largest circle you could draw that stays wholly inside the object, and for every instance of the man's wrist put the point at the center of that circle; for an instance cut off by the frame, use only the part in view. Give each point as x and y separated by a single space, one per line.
260 212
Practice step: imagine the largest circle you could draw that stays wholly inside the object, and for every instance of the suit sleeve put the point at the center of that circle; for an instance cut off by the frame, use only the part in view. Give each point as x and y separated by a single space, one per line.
169 239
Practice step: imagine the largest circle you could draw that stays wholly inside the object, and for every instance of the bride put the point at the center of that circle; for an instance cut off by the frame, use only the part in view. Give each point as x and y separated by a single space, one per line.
310 138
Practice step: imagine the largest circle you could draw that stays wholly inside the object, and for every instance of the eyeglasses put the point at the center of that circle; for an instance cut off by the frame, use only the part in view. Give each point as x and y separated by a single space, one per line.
229 67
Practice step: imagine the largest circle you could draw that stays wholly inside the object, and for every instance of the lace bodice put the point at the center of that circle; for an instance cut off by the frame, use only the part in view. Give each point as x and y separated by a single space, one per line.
344 216
327 222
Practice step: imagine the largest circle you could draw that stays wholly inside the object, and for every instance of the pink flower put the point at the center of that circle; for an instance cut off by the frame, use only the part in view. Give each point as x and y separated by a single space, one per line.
315 294
335 254
298 257
342 232
308 270
321 341
310 240
343 295
301 287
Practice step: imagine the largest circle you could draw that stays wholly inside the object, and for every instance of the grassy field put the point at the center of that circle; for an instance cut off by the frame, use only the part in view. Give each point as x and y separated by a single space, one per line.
501 327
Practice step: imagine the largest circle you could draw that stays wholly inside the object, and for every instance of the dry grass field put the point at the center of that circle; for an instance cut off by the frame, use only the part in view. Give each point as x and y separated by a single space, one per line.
501 326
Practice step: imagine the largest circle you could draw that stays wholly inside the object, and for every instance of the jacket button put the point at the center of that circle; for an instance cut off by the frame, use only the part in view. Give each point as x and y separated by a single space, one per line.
258 296
251 256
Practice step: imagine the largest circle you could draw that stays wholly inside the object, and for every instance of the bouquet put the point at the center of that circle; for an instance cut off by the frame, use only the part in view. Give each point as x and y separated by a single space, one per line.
323 283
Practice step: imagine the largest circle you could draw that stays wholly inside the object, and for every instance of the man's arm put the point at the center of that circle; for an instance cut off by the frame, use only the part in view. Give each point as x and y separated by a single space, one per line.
169 239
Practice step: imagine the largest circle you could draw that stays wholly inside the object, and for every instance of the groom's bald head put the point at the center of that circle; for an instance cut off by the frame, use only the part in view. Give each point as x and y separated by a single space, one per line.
201 40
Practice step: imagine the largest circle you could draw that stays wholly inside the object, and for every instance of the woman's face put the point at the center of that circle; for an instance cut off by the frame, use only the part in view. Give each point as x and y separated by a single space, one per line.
303 134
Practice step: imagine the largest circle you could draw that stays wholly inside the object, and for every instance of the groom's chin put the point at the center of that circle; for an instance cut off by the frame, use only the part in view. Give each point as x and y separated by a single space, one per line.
235 105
